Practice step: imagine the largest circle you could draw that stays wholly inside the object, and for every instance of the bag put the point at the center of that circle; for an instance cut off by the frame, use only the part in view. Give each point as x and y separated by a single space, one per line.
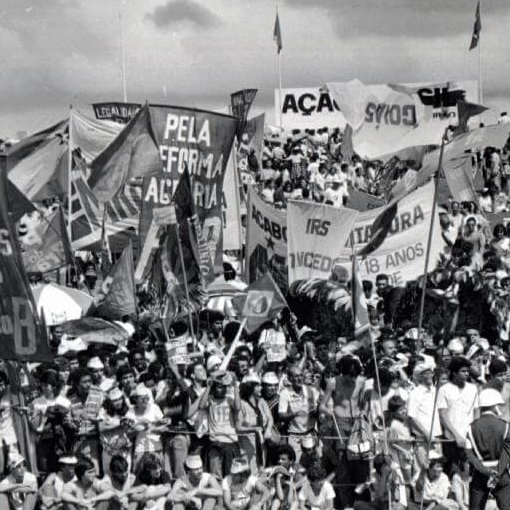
361 442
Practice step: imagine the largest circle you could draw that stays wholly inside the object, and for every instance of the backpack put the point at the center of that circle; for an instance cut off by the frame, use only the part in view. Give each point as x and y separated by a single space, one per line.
361 442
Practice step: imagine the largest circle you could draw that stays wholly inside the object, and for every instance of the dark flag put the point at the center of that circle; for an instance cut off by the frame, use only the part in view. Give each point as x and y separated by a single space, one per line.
465 111
359 303
47 248
477 28
22 336
263 301
134 153
277 34
347 149
19 204
380 229
241 102
118 289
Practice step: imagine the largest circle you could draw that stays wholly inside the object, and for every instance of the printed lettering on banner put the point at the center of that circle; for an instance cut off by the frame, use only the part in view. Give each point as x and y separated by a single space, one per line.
275 345
402 254
316 235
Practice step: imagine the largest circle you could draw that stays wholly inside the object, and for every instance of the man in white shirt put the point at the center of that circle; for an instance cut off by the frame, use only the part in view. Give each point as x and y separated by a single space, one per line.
18 491
335 193
457 403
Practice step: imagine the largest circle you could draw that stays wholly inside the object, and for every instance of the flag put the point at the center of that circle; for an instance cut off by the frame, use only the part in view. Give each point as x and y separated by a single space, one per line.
106 254
477 28
118 291
277 34
465 111
380 228
22 335
263 302
241 102
46 247
195 253
134 153
347 148
18 203
359 303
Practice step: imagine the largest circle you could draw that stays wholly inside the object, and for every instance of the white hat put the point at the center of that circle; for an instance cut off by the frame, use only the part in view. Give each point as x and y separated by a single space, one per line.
212 362
308 442
490 397
193 462
239 465
270 378
68 460
484 344
142 391
252 377
412 334
114 394
420 368
455 346
95 362
15 459
433 455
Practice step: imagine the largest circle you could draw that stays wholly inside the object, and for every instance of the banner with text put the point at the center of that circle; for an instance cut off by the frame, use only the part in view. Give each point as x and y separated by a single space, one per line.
306 108
316 234
402 254
387 118
201 141
266 240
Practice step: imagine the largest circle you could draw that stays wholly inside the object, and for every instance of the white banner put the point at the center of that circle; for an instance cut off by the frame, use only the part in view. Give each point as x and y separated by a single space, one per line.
231 208
402 254
306 108
388 118
266 240
316 235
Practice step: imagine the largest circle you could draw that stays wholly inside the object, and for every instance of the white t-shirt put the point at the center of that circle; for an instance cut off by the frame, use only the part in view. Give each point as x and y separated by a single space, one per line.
307 401
146 441
17 498
460 404
241 499
316 501
420 406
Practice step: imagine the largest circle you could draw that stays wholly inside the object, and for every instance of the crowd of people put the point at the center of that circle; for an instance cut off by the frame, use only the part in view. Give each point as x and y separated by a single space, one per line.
413 421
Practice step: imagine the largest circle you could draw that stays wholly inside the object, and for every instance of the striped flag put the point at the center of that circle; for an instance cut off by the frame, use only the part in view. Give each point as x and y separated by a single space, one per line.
277 34
477 28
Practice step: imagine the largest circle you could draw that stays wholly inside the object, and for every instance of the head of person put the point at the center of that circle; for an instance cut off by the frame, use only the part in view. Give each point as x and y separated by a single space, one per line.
115 403
219 388
397 407
316 476
295 375
197 373
126 378
194 468
66 465
388 347
386 378
490 400
137 360
368 287
349 367
56 336
470 225
435 467
382 284
85 471
309 447
141 397
96 367
459 370
240 469
151 469
82 381
270 384
250 387
424 374
50 384
90 275
497 373
242 366
499 231
286 456
455 208
17 466
119 469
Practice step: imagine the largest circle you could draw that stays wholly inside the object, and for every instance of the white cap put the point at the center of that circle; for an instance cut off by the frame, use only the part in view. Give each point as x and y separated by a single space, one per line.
69 460
433 455
212 362
142 391
239 465
412 334
420 368
193 462
114 394
308 442
252 377
15 459
455 346
95 362
490 397
270 378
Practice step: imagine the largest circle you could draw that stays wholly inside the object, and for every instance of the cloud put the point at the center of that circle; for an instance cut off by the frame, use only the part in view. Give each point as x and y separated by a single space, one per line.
177 11
396 18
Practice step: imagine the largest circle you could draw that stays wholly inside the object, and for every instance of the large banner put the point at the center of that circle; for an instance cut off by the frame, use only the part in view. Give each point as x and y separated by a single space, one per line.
402 254
306 108
316 234
232 230
252 139
200 140
387 118
118 112
266 240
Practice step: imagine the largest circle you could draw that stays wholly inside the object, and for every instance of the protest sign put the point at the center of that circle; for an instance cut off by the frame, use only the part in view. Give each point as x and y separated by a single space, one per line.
119 112
402 254
22 336
316 234
275 345
201 141
387 118
241 102
309 107
266 240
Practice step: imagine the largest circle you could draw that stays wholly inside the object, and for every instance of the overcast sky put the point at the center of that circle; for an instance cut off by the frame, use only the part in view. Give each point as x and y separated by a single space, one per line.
61 52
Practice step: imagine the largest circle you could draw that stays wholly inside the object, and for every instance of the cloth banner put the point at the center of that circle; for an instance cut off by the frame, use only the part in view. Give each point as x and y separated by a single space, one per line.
231 210
361 201
241 102
201 141
387 118
307 108
22 336
460 181
316 234
252 138
118 112
402 254
266 240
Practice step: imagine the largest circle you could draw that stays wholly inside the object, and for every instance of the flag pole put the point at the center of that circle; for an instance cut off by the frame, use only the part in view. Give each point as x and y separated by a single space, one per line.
69 174
123 56
185 280
279 54
238 204
431 229
480 66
